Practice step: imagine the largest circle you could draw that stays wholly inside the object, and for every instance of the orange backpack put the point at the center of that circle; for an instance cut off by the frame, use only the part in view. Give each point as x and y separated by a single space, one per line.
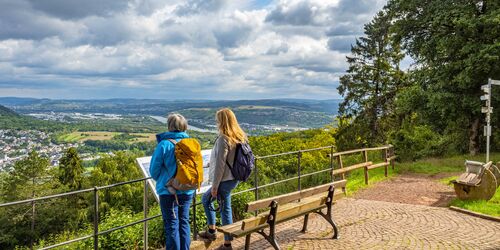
189 173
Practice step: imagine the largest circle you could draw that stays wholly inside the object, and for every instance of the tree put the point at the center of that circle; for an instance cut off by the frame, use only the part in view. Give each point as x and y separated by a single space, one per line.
456 47
71 170
372 80
120 167
25 181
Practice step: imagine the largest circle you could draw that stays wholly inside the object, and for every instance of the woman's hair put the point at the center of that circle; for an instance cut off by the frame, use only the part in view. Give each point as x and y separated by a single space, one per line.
228 126
176 122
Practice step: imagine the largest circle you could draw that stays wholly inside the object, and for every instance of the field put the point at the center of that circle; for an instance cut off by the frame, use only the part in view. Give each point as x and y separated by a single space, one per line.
104 135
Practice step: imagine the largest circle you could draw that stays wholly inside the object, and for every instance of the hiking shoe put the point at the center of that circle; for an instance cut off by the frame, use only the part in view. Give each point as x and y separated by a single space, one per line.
207 235
222 247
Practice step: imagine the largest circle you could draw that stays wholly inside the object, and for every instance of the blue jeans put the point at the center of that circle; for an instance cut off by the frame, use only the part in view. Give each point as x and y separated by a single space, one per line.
176 221
226 213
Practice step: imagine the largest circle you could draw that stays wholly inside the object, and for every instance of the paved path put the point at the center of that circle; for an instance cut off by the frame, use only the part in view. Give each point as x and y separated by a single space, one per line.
419 189
371 224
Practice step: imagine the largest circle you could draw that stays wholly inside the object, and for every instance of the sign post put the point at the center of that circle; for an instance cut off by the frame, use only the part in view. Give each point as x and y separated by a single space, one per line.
488 110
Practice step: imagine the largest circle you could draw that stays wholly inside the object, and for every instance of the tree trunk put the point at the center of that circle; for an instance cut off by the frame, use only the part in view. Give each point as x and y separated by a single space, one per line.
473 137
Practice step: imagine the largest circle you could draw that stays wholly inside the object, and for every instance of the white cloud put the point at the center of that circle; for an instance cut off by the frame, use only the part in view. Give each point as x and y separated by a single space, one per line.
202 49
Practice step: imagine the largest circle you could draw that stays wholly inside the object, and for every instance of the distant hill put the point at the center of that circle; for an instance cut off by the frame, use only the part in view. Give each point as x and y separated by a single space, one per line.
159 106
6 112
295 113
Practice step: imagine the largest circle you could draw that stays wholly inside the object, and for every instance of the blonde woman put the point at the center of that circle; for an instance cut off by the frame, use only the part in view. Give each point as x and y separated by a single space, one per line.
223 181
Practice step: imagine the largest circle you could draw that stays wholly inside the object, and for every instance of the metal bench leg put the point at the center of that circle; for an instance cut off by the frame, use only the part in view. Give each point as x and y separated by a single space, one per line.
328 215
271 220
247 242
304 227
271 238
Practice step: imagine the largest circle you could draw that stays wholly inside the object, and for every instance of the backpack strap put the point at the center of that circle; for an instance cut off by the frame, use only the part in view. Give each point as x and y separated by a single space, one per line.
172 141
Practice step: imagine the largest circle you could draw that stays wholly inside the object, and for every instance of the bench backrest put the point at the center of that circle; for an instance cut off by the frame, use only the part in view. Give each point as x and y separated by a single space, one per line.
285 198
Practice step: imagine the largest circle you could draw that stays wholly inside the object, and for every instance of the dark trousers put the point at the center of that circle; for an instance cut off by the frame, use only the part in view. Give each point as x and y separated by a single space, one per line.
176 221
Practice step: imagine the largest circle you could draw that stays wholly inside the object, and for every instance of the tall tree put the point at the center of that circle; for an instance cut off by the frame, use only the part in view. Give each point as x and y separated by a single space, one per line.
456 45
372 79
71 170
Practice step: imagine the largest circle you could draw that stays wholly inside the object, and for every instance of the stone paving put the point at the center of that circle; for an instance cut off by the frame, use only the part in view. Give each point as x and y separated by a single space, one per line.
367 224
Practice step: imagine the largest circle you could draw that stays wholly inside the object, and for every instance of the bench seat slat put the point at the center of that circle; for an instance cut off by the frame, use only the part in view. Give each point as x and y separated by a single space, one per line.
286 198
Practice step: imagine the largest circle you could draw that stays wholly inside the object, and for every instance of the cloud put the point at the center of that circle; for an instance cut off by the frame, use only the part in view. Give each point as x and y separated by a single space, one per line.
193 7
146 48
341 43
232 33
300 13
76 9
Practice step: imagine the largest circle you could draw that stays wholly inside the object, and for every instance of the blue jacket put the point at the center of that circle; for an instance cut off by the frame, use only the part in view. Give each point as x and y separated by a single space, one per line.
163 165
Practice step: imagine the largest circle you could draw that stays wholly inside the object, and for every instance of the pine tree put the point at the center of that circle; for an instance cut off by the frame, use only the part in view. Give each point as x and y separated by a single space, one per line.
71 170
372 80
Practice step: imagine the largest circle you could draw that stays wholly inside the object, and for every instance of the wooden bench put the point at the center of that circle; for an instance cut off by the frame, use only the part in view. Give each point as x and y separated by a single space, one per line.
286 207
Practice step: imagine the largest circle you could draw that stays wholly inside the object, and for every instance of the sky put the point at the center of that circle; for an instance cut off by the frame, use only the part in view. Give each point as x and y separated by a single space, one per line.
190 49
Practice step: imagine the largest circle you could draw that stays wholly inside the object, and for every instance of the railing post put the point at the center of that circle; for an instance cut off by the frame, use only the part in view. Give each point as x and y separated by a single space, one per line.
195 222
96 218
365 156
32 222
256 181
299 157
331 162
145 208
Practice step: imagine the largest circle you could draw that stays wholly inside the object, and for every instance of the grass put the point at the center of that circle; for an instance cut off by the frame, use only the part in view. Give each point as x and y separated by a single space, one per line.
103 136
491 207
433 166
454 164
447 180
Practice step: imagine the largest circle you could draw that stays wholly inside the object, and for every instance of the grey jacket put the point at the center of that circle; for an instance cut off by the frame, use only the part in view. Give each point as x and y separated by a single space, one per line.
218 168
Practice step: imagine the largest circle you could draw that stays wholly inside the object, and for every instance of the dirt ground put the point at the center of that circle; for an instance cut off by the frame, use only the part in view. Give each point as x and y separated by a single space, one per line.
418 189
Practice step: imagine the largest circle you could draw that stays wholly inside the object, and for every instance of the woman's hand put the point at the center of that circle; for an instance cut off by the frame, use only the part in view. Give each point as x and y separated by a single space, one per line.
214 192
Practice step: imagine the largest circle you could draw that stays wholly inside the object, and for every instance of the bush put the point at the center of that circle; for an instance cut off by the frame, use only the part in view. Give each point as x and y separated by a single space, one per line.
126 238
414 142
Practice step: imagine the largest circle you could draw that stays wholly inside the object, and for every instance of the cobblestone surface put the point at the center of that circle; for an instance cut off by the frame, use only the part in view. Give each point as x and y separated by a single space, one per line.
370 224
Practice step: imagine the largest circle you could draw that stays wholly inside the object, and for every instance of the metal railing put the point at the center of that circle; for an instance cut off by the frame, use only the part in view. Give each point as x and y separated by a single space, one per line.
388 157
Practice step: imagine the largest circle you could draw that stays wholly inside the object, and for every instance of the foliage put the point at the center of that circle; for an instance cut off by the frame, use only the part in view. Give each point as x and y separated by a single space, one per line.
127 238
415 141
29 178
371 83
71 170
456 48
119 167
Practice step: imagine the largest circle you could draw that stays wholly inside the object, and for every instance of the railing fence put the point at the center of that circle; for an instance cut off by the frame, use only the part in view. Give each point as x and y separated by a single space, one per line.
387 152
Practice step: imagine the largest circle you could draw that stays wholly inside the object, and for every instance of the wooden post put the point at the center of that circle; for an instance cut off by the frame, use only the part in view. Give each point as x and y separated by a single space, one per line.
386 167
392 154
341 165
365 156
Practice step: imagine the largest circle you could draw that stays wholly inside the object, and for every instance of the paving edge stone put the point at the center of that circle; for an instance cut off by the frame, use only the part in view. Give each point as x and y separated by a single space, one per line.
202 245
476 214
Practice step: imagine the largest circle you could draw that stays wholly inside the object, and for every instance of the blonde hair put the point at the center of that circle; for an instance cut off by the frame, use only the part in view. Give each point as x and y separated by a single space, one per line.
228 126
176 122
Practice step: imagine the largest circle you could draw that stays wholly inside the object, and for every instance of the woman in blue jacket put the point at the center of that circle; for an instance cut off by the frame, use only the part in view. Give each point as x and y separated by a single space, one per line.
162 169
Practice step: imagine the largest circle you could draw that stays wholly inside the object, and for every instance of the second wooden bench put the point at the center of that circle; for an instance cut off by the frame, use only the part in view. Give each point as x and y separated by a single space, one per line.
286 207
